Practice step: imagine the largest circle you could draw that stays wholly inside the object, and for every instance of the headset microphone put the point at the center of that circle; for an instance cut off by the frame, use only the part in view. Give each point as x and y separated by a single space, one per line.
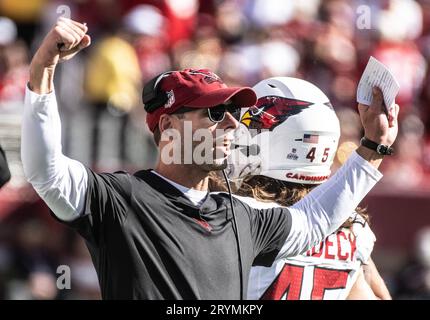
251 150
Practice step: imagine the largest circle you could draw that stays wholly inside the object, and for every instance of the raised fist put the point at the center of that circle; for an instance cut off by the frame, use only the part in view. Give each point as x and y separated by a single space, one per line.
64 40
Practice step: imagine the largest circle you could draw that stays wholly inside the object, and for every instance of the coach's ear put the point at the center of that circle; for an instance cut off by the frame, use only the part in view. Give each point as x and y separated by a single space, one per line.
165 123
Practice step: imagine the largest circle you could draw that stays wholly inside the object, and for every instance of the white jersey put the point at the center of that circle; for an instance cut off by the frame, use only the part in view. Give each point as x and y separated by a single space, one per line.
325 272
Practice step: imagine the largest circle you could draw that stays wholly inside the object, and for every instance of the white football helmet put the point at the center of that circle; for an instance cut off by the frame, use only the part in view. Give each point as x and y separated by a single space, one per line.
291 134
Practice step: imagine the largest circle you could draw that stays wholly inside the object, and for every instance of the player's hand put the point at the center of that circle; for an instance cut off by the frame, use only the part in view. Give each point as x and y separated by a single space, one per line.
378 126
64 40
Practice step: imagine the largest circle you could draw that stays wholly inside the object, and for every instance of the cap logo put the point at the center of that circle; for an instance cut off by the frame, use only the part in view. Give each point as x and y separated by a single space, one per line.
170 99
209 77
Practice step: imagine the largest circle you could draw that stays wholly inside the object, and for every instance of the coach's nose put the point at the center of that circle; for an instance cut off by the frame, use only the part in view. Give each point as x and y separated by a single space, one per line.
230 122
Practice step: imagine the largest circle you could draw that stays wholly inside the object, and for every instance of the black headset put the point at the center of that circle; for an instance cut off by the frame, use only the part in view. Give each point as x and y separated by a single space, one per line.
152 97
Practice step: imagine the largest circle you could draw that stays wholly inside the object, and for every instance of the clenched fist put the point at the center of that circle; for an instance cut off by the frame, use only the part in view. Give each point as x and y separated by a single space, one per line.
64 40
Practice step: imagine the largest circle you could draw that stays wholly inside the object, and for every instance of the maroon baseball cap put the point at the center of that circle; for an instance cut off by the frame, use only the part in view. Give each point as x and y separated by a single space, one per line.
196 89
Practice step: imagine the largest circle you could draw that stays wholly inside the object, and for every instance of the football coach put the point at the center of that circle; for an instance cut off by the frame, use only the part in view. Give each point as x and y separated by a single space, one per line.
159 234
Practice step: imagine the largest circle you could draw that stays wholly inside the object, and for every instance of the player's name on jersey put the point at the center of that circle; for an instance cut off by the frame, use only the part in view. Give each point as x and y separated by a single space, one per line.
338 246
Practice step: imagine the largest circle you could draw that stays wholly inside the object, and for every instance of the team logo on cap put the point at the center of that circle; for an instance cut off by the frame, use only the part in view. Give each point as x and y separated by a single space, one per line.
170 99
208 76
271 111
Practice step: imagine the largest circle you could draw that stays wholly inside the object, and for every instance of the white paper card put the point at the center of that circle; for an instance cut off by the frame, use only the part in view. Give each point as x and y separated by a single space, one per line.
376 74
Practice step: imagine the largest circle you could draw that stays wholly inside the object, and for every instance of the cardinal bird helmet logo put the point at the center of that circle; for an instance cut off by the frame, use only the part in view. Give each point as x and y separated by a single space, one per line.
271 111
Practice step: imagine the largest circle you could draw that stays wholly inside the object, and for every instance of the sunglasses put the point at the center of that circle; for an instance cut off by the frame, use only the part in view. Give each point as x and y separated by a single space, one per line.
216 114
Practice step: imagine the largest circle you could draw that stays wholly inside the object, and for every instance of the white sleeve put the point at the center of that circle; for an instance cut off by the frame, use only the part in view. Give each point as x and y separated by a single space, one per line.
61 182
329 205
365 241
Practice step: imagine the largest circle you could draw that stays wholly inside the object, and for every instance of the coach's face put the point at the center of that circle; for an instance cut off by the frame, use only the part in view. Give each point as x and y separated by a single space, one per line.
204 143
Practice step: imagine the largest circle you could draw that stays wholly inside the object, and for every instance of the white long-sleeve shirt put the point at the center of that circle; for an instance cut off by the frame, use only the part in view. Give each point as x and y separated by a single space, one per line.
62 182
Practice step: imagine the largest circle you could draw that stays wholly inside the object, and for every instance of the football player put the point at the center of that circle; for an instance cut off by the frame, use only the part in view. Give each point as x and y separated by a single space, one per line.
285 147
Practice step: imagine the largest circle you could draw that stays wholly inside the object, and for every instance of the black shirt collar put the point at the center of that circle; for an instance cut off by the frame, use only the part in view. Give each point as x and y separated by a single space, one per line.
210 206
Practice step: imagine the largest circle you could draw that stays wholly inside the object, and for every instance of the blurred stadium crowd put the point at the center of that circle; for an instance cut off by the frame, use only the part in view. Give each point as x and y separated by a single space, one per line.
327 42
